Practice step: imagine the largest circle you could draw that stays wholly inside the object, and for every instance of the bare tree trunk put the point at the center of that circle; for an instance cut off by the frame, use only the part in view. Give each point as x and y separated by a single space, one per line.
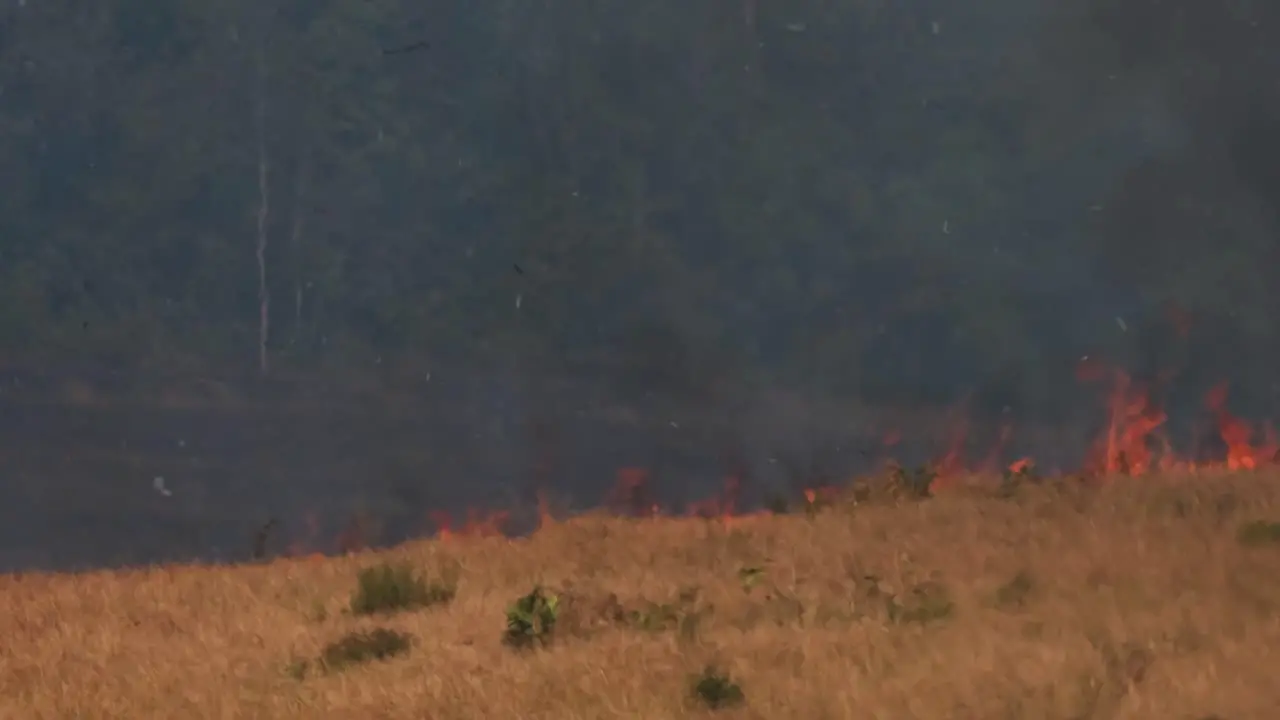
295 238
264 206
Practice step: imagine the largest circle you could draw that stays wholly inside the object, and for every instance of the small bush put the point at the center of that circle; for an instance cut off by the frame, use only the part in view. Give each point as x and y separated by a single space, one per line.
531 620
1259 532
391 588
361 647
353 649
716 690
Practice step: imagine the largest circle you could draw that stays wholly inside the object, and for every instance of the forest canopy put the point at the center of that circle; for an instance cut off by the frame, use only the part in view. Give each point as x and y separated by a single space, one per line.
904 200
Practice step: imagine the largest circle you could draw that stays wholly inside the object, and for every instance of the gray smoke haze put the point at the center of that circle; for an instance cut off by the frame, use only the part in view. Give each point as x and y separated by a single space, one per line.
550 242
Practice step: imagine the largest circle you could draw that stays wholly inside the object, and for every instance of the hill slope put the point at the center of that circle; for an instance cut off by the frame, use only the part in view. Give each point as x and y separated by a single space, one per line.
1152 597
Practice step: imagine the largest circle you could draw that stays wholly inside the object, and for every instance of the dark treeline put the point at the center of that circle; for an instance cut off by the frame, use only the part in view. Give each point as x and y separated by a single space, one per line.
902 201
456 251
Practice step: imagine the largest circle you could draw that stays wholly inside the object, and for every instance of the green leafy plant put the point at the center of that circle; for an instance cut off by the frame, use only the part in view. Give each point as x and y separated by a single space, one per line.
531 620
716 690
390 588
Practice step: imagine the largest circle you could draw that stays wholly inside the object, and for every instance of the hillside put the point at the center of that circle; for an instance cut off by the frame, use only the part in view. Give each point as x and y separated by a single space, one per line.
1152 597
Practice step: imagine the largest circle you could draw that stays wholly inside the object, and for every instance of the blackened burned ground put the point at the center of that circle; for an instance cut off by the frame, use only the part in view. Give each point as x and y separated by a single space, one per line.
109 485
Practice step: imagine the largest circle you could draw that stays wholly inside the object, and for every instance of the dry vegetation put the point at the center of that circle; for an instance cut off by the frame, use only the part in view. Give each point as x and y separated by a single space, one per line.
1147 598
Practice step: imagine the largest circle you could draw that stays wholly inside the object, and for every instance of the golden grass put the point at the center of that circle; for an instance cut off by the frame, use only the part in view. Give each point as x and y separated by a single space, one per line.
1133 601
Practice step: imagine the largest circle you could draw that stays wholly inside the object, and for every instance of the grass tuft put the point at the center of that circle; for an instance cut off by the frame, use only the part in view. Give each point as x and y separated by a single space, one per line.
354 648
1062 601
716 690
1259 532
362 647
389 588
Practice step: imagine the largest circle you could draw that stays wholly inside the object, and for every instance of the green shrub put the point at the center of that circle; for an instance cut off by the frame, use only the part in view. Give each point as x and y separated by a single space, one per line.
531 620
390 588
353 649
360 647
716 689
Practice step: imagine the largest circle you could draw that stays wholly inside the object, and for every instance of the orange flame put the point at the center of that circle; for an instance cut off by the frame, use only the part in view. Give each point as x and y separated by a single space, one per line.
1133 443
1132 418
1238 436
478 524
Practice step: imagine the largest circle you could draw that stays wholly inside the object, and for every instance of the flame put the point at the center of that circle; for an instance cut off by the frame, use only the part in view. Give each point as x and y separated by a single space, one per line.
545 518
1132 419
1021 465
720 506
1237 434
479 524
1132 443
631 493
816 497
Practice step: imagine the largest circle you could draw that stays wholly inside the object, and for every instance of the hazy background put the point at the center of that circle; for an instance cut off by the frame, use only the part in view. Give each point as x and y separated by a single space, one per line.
513 245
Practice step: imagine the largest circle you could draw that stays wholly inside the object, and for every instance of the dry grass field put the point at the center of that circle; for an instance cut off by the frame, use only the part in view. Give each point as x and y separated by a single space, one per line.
1152 597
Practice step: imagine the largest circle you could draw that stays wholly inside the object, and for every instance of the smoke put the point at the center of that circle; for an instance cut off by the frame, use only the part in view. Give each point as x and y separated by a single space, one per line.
1072 170
1188 90
1173 106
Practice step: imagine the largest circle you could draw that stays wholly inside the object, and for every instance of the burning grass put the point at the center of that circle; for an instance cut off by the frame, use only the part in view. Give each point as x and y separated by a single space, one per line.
1152 597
